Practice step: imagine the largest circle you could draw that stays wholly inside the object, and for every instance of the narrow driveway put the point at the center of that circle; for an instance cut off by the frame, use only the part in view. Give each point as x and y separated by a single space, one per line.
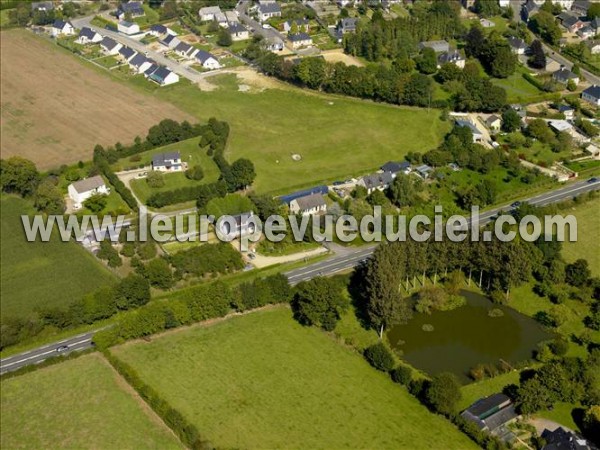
242 9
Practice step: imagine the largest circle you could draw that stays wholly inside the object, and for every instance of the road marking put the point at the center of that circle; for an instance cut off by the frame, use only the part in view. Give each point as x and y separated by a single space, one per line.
42 354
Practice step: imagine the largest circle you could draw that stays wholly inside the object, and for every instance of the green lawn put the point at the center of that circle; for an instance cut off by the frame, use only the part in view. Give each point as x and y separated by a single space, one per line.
588 232
484 388
38 274
561 413
107 61
518 89
264 381
336 137
4 17
190 152
80 403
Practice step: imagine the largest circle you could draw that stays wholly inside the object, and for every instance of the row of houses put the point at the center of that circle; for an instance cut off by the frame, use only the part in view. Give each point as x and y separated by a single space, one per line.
187 51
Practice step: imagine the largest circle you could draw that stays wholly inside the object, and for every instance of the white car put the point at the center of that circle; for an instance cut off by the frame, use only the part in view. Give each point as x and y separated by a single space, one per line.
266 26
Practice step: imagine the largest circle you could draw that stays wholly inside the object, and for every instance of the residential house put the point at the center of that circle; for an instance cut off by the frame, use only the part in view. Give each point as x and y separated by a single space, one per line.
162 75
88 36
235 226
467 4
238 32
139 63
564 76
594 47
563 439
308 205
135 9
504 3
287 199
127 53
595 24
344 3
561 126
110 46
394 167
59 27
580 7
529 8
491 413
186 50
170 41
80 191
231 17
477 135
167 162
207 60
437 46
592 95
267 10
517 46
128 27
159 30
301 24
493 122
424 171
571 22
42 6
347 25
300 40
274 44
376 181
451 57
567 111
586 32
208 13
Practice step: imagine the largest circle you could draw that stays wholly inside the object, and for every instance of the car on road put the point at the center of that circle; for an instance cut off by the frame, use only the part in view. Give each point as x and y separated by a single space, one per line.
516 204
251 255
62 349
266 26
593 180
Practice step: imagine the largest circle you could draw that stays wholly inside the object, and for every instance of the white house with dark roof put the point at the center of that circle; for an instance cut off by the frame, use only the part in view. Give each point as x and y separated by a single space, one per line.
491 413
267 10
594 46
301 24
80 191
170 41
186 50
110 46
240 225
128 27
161 75
452 57
238 32
493 122
300 40
376 181
88 36
564 76
207 60
208 13
60 27
308 205
139 63
42 6
517 46
167 162
127 53
592 95
135 9
477 134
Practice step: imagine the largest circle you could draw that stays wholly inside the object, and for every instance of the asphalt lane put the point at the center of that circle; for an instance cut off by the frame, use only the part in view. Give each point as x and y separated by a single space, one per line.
335 264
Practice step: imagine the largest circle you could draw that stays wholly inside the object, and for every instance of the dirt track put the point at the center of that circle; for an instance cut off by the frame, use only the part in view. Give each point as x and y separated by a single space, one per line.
55 109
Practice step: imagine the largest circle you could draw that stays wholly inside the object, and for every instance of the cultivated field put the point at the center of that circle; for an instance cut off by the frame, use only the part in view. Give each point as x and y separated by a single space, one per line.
55 108
588 231
263 381
335 137
40 274
81 403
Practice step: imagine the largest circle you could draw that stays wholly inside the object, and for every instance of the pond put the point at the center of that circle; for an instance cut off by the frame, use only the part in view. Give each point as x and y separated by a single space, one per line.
467 336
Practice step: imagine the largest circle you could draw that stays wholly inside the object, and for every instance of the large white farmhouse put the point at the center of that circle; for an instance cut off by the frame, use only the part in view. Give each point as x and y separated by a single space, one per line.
81 190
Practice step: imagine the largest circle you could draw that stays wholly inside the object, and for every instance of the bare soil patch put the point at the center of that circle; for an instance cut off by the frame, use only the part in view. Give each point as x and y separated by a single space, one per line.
55 108
338 55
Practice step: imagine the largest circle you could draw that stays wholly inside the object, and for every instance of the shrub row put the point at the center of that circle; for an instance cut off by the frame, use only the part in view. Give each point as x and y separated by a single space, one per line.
186 431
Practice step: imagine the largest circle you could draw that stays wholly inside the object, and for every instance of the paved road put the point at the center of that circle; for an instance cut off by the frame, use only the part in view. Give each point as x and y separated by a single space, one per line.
345 261
38 355
180 69
242 10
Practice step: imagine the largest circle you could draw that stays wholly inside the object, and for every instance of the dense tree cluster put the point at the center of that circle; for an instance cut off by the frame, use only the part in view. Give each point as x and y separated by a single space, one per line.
207 259
493 51
319 302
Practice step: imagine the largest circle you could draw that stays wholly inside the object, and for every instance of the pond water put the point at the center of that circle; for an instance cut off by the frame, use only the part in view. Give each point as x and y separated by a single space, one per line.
467 336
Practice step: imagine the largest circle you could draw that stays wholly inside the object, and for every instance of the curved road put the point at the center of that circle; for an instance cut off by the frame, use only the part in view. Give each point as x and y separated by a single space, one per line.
345 261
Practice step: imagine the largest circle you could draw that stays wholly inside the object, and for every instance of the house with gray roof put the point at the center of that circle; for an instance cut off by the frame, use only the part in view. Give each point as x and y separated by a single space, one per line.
592 95
376 181
267 10
208 13
529 8
308 205
186 50
60 27
139 63
518 46
80 191
167 162
171 41
477 134
300 40
42 6
127 53
395 167
491 413
161 75
207 60
564 76
452 57
135 9
238 32
109 46
88 36
437 46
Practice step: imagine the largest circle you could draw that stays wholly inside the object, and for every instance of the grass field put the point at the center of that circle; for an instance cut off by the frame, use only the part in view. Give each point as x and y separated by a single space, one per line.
190 153
36 274
588 232
263 381
474 391
80 403
336 137
55 108
518 89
